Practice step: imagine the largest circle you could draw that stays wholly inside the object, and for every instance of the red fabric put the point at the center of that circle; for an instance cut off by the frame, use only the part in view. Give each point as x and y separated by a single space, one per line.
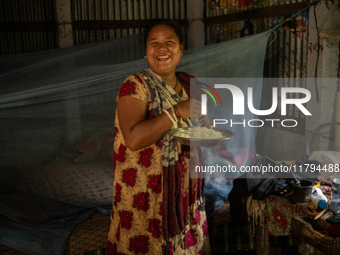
192 90
175 204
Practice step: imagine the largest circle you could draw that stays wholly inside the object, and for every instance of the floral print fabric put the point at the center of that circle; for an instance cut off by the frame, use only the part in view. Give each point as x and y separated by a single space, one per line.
280 213
157 208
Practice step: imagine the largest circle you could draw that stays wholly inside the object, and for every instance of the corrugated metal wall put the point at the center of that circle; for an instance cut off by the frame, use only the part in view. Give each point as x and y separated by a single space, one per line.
29 25
121 10
286 56
26 40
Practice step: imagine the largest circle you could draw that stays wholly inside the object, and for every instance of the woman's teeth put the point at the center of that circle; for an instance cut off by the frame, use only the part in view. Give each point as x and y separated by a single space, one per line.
163 57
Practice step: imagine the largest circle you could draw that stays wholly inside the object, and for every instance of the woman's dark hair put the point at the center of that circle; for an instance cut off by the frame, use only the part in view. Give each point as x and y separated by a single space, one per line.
168 22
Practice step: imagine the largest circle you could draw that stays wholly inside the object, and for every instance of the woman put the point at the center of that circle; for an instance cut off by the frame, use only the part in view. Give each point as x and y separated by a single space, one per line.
157 207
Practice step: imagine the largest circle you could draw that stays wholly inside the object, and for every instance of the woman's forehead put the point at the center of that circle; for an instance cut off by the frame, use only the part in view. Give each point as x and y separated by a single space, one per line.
162 30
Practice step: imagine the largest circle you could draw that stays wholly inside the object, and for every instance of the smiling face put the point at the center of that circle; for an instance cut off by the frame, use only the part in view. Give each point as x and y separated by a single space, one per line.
163 50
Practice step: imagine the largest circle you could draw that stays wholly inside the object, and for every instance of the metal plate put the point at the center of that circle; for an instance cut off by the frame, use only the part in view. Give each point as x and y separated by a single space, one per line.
201 142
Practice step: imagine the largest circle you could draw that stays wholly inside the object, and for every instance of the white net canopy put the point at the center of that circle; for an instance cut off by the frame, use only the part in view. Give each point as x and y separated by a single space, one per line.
57 111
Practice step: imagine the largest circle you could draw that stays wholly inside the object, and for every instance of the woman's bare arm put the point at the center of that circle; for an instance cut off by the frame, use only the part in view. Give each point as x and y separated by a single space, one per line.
138 131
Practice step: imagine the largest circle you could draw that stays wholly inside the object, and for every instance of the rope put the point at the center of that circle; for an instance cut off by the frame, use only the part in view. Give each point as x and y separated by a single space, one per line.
272 29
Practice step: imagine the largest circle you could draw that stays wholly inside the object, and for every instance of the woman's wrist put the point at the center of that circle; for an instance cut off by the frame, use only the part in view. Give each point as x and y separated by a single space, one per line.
170 113
178 115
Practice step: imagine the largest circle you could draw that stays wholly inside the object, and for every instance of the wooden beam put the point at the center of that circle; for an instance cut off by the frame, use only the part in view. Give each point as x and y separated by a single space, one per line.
113 24
78 24
28 26
256 13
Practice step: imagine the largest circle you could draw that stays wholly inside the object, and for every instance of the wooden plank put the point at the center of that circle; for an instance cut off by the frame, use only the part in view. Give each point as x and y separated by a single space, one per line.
28 26
78 25
256 13
114 24
305 232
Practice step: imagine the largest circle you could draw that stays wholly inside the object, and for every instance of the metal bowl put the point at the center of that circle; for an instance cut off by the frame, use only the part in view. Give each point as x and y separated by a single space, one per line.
201 142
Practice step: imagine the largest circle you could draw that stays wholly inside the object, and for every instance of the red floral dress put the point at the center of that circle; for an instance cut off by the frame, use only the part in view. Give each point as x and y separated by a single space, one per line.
157 207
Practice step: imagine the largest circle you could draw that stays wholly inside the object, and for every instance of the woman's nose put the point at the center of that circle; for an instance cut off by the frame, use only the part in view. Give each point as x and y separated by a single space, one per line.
162 46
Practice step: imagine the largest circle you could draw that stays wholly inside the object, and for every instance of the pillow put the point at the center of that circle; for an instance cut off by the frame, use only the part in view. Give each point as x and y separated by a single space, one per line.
96 146
81 184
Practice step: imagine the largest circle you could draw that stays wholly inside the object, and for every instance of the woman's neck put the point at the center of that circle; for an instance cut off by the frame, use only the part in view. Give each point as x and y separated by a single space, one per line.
171 80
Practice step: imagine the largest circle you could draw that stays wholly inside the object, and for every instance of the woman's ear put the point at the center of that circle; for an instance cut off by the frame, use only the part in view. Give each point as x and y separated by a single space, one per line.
181 47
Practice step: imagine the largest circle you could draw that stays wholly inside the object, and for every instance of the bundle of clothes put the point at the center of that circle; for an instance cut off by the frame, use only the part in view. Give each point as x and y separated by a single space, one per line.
260 184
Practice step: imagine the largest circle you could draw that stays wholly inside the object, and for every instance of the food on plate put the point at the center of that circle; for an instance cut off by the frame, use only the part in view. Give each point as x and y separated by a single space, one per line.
201 133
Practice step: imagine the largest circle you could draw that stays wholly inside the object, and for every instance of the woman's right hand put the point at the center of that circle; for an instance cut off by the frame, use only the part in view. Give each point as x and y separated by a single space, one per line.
189 108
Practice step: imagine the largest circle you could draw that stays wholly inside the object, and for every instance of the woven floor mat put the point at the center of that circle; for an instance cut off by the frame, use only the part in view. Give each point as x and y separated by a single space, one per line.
89 235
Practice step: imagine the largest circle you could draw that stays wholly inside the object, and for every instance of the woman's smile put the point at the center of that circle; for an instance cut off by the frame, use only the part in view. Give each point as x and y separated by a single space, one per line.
162 58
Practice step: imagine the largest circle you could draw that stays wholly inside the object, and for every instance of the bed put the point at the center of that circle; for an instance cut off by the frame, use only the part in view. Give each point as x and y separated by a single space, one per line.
88 237
71 194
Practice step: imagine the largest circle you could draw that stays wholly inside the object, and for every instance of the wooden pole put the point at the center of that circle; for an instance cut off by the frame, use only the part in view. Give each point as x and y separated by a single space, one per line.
337 122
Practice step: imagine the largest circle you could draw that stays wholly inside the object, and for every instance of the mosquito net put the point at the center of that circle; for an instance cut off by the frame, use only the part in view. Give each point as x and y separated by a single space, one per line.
57 112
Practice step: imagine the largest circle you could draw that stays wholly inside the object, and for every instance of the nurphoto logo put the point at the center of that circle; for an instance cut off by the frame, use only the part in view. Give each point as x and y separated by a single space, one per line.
238 104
